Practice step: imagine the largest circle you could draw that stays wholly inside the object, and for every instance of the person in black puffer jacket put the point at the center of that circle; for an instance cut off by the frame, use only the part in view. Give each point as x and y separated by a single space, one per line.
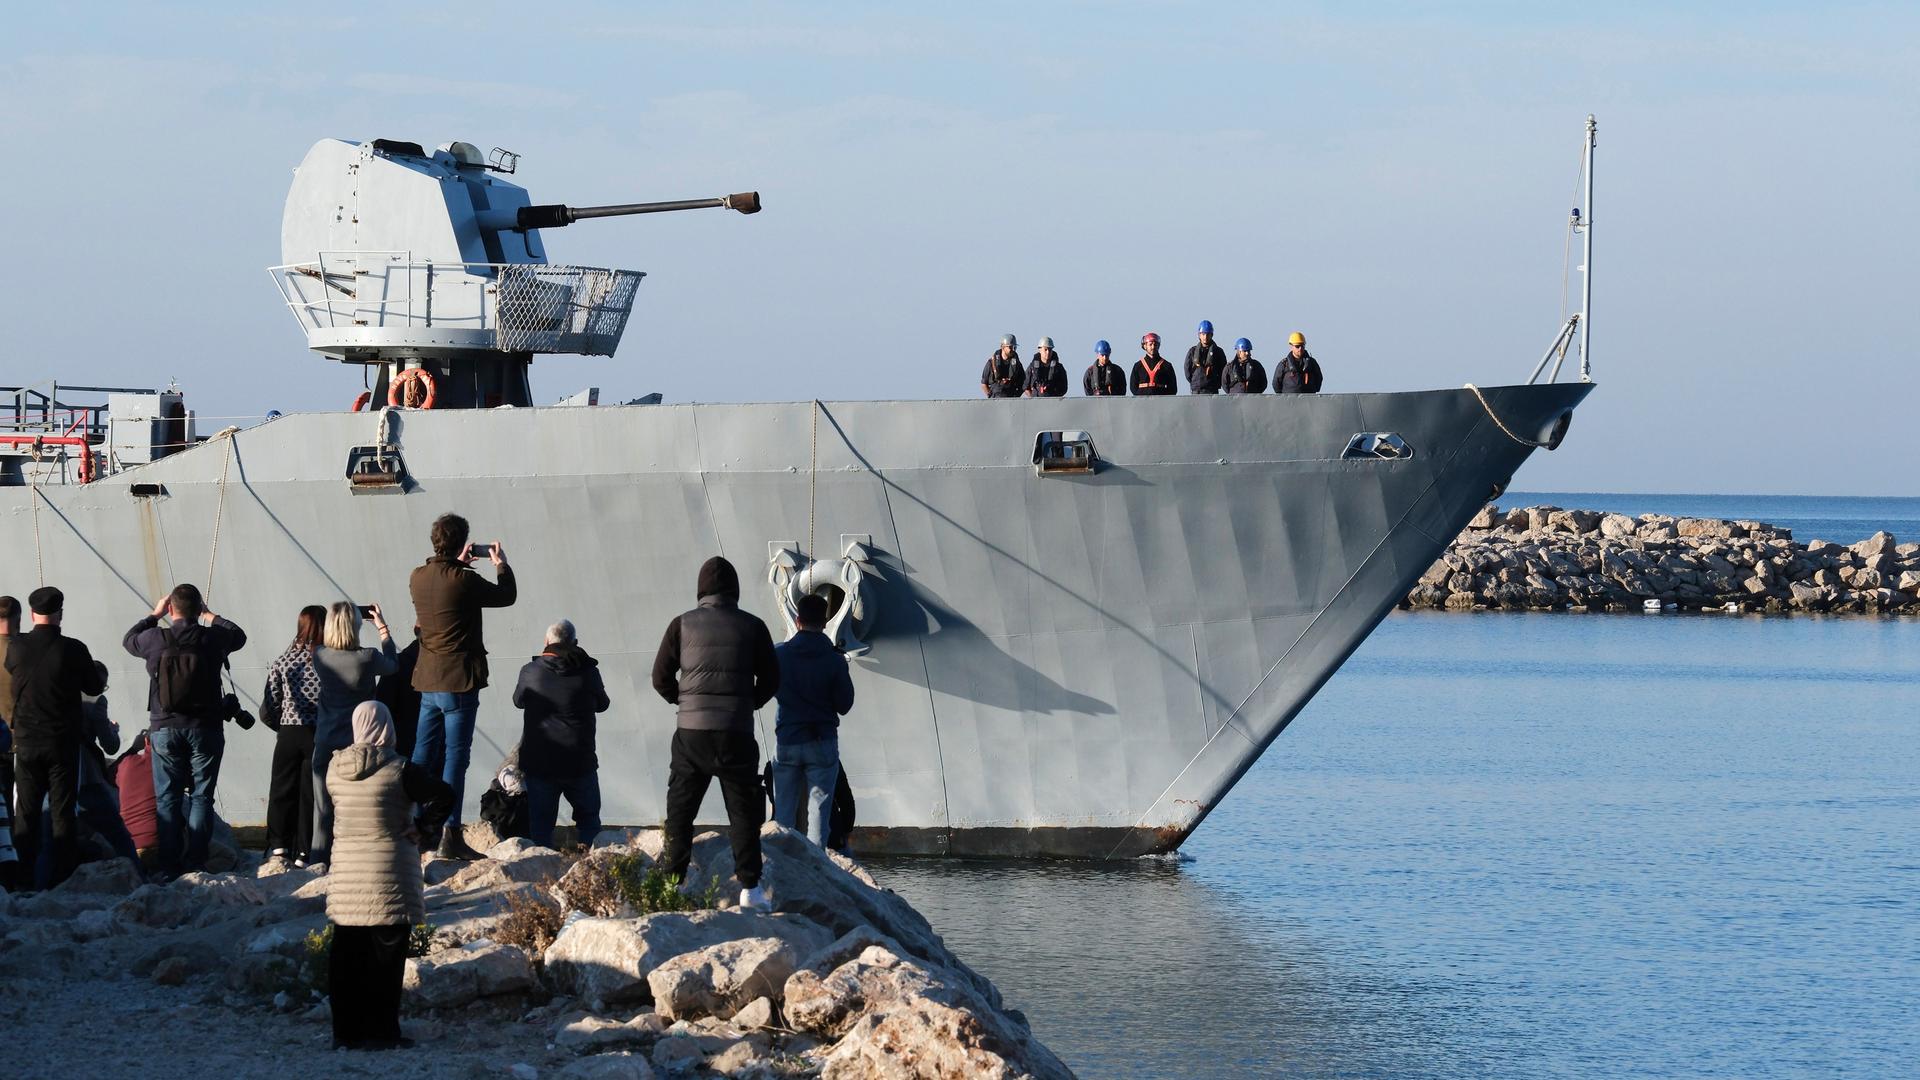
560 691
716 663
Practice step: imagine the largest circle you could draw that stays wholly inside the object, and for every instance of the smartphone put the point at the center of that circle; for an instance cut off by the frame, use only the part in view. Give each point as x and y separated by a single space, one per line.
366 610
480 551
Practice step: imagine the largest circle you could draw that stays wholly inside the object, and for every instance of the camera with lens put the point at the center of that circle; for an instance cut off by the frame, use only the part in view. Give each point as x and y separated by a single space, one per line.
230 709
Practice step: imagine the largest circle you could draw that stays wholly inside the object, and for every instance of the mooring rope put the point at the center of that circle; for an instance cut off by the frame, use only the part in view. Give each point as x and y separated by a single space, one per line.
1497 422
219 509
33 484
813 475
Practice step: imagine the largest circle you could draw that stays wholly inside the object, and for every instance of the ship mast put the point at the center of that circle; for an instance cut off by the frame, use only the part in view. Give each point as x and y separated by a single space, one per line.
1586 261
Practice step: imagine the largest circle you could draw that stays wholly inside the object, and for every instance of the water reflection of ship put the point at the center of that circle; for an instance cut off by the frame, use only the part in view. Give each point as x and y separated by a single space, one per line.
1079 621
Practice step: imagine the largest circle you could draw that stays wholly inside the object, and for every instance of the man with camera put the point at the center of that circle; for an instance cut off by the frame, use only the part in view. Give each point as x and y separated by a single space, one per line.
186 709
50 672
448 599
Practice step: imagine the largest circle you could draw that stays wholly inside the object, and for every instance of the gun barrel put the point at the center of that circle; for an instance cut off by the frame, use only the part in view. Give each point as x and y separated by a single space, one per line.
555 215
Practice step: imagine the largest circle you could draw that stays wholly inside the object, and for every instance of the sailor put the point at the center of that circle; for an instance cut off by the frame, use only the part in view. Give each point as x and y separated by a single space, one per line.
1047 377
1152 374
1205 362
1245 375
51 673
1104 377
1003 376
1299 373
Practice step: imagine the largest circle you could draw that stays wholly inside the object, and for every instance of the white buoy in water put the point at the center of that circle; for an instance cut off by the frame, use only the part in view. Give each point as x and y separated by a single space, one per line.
1651 607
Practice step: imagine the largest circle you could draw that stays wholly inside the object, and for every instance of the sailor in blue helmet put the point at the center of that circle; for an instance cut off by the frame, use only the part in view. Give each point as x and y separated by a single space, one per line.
1003 376
1245 375
1047 377
1205 362
1103 378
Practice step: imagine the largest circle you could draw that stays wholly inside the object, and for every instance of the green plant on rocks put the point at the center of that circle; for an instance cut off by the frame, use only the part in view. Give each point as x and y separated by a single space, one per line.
648 889
313 963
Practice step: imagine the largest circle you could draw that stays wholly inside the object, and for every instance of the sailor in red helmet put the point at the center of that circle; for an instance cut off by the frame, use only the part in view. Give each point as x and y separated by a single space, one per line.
1153 374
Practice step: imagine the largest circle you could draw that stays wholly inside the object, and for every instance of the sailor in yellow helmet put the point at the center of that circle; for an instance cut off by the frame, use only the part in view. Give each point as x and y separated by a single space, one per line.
1299 373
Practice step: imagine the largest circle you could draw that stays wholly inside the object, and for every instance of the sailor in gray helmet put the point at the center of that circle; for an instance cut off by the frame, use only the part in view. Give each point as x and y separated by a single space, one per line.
1003 376
1048 376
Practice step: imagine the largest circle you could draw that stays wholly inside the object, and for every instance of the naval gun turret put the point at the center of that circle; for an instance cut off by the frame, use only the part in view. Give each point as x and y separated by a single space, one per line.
401 259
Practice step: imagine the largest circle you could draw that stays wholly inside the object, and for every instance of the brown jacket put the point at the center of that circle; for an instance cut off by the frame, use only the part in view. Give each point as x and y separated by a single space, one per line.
447 601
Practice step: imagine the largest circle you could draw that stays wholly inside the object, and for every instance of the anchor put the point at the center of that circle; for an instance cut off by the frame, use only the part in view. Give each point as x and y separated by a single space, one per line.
841 582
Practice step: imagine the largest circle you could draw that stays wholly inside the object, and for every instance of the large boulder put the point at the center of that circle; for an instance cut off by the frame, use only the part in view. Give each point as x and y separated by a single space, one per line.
1617 526
609 959
893 1017
587 887
834 892
616 1066
721 979
468 973
112 877
586 1033
1880 543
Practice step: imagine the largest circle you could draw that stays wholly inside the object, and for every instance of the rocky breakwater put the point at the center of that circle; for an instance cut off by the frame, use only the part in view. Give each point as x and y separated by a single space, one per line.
1544 558
533 963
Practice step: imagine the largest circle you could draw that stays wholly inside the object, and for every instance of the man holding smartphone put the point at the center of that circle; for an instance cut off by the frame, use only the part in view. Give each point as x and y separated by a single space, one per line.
448 598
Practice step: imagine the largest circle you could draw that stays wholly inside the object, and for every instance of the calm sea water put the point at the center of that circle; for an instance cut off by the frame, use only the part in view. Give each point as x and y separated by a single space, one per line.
1512 845
1843 520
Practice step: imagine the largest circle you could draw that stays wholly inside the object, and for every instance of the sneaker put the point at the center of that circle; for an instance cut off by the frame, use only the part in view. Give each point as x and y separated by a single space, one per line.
754 899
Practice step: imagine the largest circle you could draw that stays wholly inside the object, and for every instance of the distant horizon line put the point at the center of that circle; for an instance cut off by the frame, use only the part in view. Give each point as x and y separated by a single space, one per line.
1705 494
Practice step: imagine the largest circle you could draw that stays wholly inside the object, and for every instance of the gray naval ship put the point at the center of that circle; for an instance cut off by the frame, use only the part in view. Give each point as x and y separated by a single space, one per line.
1074 623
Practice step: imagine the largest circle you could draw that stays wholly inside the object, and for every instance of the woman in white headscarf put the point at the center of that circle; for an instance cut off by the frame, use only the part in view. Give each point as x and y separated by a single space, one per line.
375 898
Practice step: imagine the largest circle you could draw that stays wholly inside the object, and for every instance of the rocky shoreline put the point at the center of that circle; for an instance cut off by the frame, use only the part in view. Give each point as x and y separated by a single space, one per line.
1544 558
531 967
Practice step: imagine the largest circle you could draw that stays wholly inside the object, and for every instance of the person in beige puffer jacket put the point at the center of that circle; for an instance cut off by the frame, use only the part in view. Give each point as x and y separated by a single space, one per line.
374 888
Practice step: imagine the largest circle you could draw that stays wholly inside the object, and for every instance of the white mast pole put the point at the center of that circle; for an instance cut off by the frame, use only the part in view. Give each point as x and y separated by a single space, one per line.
1586 263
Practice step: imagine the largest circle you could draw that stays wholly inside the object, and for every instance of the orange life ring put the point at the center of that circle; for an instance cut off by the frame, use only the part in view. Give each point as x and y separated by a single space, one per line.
361 402
397 388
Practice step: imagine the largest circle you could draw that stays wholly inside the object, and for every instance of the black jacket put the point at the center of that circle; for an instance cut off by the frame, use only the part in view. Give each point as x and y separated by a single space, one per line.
1164 380
1246 377
1047 380
1003 377
213 644
1104 380
559 692
1205 364
716 662
50 672
1300 376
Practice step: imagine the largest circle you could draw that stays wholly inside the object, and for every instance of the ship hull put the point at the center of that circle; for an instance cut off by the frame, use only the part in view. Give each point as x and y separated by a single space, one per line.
1072 665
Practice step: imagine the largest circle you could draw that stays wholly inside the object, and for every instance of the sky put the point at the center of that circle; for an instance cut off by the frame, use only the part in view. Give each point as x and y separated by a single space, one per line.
1393 180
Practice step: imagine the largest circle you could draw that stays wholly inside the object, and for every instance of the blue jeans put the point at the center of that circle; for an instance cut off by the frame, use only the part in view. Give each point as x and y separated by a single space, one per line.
543 806
445 740
815 768
185 759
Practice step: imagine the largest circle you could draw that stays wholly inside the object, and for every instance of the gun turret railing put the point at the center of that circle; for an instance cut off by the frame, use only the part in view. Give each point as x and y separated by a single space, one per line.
359 304
555 215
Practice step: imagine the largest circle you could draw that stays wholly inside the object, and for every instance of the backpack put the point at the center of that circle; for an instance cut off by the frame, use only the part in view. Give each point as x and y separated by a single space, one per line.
177 679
